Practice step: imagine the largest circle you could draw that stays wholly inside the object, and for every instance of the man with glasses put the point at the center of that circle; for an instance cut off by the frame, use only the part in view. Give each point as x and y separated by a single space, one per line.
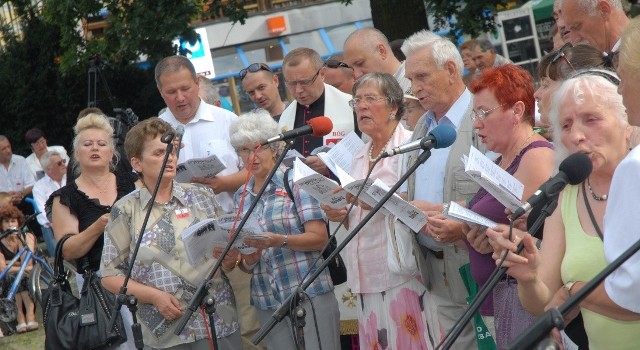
55 169
261 85
485 56
304 71
434 67
339 74
367 50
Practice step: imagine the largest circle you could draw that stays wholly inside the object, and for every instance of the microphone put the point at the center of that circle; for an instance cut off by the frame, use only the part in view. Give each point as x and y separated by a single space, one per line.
574 169
317 127
179 134
442 136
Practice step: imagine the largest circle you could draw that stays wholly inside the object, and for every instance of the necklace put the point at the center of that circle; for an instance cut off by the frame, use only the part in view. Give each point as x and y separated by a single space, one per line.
522 145
371 158
602 198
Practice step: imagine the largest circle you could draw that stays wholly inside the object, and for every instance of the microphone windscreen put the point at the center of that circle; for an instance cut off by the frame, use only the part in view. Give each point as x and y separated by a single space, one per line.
180 130
444 135
321 126
577 167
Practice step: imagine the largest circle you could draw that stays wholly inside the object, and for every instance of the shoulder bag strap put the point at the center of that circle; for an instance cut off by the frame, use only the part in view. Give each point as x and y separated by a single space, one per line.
591 216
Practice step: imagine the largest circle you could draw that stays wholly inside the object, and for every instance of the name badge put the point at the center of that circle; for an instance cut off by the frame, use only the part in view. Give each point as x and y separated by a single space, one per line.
182 213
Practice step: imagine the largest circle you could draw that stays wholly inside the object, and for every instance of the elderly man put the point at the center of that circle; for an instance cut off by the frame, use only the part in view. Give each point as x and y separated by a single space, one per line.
485 56
434 67
339 74
367 50
208 92
206 132
303 71
567 35
261 85
16 177
600 22
36 139
55 170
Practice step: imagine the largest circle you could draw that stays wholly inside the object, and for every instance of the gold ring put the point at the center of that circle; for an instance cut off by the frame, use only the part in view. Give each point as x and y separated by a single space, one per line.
438 237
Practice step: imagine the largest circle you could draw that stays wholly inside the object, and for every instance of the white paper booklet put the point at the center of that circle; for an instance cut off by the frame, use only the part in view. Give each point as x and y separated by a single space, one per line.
499 183
403 210
199 167
460 213
341 155
318 186
353 187
290 157
200 238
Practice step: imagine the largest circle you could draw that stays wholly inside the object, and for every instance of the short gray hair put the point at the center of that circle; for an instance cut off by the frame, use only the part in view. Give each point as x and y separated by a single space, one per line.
442 50
209 92
253 127
388 86
590 7
45 160
174 64
602 91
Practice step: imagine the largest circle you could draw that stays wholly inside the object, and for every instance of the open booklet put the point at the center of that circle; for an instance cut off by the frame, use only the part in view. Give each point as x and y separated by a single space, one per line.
457 212
200 238
199 167
318 186
341 155
497 181
406 212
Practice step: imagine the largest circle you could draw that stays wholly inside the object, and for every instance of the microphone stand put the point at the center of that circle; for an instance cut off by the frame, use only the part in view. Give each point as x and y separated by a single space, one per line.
553 318
202 290
292 301
130 300
495 277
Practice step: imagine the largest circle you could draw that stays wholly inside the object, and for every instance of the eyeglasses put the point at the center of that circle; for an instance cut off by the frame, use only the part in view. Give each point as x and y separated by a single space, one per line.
482 114
333 64
292 84
245 151
254 67
560 54
367 100
61 162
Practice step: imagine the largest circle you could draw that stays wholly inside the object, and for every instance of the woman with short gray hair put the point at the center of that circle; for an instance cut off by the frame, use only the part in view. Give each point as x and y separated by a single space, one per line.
294 232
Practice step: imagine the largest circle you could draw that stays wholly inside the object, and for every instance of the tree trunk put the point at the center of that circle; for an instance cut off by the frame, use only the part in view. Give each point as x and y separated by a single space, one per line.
398 19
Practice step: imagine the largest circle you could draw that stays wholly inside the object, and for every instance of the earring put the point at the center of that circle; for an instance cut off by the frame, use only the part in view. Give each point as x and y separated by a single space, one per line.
392 116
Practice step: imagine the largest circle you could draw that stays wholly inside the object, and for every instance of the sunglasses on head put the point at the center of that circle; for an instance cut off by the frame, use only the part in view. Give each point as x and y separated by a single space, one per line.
336 64
561 55
254 67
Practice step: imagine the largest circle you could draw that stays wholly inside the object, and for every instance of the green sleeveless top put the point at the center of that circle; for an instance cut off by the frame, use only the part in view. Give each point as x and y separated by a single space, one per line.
583 260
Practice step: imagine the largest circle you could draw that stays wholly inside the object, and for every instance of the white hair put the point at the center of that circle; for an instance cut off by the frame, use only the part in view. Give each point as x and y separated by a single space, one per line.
45 159
253 127
578 89
442 50
590 7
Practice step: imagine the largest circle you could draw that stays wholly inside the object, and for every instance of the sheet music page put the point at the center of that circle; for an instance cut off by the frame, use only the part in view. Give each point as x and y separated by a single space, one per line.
460 213
342 153
199 167
318 186
499 183
406 212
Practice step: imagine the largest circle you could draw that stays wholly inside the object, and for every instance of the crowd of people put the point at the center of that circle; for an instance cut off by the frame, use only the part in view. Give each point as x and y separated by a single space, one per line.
586 101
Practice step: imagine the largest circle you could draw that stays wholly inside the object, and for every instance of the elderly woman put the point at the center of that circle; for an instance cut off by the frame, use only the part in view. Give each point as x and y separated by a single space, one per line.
162 252
413 110
556 67
503 117
12 218
588 112
394 309
294 232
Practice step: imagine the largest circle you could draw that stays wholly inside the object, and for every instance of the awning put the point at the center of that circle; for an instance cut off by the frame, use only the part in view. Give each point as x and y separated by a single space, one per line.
542 9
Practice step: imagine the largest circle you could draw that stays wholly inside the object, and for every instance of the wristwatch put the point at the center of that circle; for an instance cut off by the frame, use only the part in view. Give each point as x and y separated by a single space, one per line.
285 242
567 288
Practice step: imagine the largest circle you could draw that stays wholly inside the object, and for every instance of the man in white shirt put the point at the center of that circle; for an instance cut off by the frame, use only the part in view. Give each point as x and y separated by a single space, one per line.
55 169
16 177
35 138
206 127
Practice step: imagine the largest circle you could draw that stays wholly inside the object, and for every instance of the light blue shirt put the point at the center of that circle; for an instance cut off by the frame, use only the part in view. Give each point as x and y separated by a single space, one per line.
430 175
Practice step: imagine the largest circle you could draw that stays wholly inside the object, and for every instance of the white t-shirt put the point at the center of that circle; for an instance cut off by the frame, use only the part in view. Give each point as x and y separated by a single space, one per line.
17 177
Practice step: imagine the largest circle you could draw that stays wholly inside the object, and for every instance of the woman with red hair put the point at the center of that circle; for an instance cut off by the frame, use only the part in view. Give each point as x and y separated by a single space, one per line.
503 116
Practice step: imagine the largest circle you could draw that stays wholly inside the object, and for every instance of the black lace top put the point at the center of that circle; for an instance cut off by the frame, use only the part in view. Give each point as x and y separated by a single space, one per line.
87 210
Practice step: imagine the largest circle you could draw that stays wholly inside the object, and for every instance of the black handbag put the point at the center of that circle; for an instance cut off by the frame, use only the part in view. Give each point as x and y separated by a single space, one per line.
337 269
72 323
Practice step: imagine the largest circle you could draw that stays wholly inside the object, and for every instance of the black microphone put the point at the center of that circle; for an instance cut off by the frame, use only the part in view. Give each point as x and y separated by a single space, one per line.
574 169
318 126
442 136
179 134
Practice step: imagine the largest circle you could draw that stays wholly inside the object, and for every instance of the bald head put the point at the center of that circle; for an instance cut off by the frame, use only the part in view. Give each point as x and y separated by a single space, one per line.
367 50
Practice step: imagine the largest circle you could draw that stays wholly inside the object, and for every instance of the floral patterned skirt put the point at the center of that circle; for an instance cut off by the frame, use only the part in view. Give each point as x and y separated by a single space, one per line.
401 318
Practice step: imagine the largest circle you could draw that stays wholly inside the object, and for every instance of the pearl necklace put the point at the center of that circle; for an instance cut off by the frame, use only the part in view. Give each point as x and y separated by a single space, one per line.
371 158
602 198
